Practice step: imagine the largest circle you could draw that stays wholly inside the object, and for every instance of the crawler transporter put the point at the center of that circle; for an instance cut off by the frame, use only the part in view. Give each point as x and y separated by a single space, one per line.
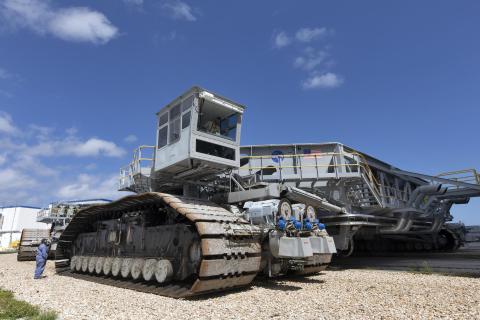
194 225
374 207
56 217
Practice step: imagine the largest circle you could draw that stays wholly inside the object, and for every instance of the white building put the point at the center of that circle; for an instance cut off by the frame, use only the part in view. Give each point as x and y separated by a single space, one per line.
14 219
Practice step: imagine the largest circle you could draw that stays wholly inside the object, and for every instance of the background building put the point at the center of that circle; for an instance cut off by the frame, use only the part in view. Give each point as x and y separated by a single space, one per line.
14 219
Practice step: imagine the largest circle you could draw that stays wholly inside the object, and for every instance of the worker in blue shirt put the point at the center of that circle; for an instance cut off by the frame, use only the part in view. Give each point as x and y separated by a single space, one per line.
41 259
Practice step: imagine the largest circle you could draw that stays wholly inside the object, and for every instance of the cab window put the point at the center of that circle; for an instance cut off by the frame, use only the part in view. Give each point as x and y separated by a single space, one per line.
217 120
162 130
174 124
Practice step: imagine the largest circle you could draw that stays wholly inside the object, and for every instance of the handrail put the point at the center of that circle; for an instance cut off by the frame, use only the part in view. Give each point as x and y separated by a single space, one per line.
473 177
309 155
361 163
135 166
449 173
370 175
308 166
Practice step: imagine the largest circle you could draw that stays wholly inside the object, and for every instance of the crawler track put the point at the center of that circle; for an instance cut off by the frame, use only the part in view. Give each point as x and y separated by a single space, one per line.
230 246
29 242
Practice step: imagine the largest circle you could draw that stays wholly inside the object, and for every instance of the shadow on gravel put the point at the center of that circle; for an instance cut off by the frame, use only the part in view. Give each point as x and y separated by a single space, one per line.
271 284
305 279
464 262
218 294
275 285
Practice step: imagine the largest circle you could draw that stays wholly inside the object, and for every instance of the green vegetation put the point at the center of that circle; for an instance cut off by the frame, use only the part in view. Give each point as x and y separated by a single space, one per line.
423 269
10 308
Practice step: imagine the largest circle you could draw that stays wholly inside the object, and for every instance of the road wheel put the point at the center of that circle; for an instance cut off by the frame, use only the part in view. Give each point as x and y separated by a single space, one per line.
148 270
163 271
99 265
116 266
137 268
310 212
107 266
73 260
285 209
126 267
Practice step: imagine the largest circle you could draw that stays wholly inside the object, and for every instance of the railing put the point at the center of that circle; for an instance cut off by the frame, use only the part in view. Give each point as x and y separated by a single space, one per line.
278 163
43 213
140 161
374 184
57 212
467 175
336 167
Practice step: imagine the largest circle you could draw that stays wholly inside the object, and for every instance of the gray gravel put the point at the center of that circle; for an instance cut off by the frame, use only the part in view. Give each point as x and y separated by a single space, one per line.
343 294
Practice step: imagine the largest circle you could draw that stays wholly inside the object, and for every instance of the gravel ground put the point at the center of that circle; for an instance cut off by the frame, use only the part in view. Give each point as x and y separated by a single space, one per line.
342 294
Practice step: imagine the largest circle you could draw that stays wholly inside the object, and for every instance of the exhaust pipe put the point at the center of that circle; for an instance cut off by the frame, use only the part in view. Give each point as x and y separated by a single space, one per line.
422 191
403 225
439 191
436 225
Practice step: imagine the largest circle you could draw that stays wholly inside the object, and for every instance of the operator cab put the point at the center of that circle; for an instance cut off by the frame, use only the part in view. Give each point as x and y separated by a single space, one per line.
198 135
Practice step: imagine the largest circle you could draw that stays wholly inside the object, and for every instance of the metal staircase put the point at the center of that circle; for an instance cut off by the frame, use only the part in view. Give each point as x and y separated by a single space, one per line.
360 194
135 177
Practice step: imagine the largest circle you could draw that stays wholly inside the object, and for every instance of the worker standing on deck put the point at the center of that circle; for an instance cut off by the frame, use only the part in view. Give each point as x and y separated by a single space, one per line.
41 259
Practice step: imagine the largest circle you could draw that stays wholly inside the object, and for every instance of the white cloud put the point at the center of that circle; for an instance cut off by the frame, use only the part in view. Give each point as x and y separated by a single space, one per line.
82 25
4 74
303 35
73 146
41 132
91 186
6 124
11 179
323 81
5 94
281 40
39 164
71 131
32 165
46 148
180 10
91 166
311 59
134 2
309 34
130 138
79 24
315 62
33 14
171 36
95 147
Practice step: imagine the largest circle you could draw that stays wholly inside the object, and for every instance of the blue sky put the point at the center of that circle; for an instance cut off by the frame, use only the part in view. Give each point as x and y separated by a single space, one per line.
80 82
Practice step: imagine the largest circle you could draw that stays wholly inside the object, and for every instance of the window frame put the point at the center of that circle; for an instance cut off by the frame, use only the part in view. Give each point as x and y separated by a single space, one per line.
172 124
184 107
228 127
163 115
163 126
189 113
